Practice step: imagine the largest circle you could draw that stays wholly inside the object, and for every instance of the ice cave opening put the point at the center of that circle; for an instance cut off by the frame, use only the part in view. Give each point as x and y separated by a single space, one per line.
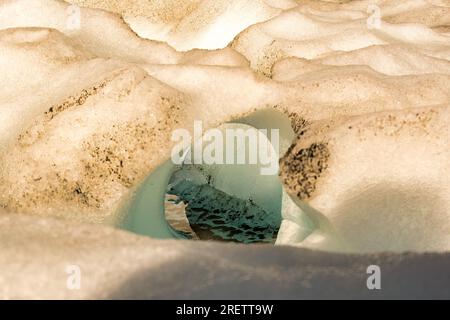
237 196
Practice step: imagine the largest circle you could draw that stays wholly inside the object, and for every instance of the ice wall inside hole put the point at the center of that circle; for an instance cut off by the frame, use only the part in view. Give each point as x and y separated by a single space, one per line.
232 200
146 215
296 225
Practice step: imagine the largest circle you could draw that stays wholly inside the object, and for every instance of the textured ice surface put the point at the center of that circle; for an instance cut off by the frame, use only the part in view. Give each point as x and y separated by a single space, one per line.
225 217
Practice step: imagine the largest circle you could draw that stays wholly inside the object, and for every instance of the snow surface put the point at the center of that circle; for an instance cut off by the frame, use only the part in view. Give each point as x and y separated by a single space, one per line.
86 117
